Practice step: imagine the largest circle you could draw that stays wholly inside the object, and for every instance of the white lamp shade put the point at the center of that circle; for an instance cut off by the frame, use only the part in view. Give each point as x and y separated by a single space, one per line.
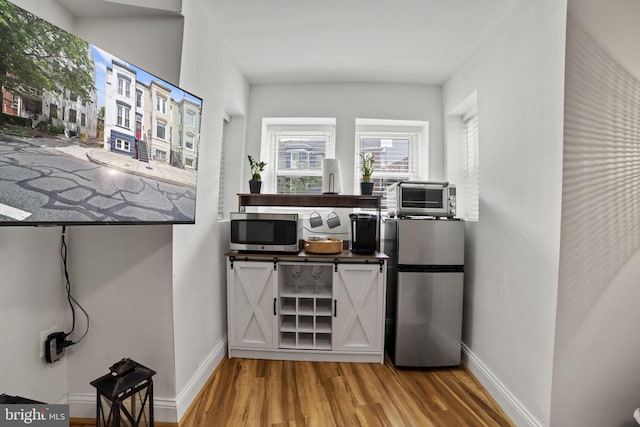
331 178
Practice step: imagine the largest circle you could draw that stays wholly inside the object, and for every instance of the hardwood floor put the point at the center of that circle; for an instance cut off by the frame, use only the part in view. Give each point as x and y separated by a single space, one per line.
247 392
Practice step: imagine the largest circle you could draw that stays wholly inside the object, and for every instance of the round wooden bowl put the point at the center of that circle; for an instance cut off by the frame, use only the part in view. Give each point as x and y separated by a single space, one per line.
326 246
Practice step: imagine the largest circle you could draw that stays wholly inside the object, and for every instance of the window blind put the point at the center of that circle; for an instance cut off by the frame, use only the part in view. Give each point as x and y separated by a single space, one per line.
221 205
295 157
396 158
468 195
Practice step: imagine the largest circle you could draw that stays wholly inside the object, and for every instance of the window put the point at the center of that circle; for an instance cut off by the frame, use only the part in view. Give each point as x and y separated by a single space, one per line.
53 111
294 154
188 162
161 104
123 116
83 119
73 97
160 155
397 147
72 115
191 118
161 129
188 143
122 144
124 87
14 101
469 188
298 157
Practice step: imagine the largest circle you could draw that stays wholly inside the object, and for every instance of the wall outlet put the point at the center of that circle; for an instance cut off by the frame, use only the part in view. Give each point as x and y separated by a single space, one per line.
54 347
43 338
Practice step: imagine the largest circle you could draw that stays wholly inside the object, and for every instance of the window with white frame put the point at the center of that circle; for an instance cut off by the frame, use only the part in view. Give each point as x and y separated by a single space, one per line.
123 116
293 150
188 142
399 149
138 98
191 118
160 155
161 104
469 189
124 87
123 145
161 129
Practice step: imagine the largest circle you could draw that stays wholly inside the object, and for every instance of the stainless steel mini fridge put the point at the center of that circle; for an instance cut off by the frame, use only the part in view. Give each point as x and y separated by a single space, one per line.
425 290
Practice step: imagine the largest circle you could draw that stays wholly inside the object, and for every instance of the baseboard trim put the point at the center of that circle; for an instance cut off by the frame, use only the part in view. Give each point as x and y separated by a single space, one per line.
92 421
83 406
509 403
188 394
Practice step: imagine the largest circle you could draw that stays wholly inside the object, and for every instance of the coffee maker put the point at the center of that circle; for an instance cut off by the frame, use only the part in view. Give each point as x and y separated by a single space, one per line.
363 233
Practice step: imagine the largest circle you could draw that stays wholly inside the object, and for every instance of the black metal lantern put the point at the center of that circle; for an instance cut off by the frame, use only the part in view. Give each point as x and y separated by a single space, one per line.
125 395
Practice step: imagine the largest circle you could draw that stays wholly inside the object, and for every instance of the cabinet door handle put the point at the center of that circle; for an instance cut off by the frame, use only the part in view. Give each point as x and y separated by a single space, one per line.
275 303
335 308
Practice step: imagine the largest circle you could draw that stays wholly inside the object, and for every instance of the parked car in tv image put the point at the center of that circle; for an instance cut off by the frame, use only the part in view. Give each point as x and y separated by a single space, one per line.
87 137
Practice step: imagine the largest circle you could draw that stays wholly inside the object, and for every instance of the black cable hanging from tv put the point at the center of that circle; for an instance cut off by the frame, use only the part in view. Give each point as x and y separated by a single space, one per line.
72 301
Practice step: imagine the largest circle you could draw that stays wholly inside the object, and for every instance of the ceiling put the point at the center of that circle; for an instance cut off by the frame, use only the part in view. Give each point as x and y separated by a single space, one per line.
400 41
119 8
299 41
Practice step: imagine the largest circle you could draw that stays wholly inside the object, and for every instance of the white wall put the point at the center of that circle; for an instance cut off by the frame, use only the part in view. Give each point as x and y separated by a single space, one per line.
511 271
32 292
597 353
193 273
346 102
234 159
154 293
199 267
153 43
122 276
147 289
31 301
131 262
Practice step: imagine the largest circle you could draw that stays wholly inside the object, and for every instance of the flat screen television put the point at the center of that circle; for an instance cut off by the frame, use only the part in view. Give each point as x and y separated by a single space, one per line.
88 138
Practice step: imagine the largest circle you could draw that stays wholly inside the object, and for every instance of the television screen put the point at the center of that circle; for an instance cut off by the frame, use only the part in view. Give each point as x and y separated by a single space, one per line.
86 137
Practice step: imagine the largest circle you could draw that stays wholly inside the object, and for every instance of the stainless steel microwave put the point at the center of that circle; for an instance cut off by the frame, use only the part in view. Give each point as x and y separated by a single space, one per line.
421 198
264 232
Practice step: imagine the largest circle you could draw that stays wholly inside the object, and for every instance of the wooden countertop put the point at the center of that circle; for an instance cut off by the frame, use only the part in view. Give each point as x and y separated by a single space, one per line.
376 256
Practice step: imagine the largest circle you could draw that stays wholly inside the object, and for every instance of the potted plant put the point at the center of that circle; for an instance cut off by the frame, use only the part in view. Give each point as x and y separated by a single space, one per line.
366 167
255 183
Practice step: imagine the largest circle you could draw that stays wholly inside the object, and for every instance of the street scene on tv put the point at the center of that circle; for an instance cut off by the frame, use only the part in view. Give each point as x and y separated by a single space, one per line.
86 137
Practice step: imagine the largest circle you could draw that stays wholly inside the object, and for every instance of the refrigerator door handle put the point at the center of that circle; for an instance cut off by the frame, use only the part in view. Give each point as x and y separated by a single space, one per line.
407 268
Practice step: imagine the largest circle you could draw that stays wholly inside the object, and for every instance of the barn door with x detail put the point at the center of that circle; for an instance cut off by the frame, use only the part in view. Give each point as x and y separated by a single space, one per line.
252 292
357 293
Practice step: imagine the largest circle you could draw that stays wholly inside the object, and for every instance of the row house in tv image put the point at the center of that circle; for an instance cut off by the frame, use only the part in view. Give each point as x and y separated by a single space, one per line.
62 111
149 120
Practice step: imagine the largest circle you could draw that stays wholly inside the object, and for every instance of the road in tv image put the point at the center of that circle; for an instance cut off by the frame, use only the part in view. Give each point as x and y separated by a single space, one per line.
43 185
